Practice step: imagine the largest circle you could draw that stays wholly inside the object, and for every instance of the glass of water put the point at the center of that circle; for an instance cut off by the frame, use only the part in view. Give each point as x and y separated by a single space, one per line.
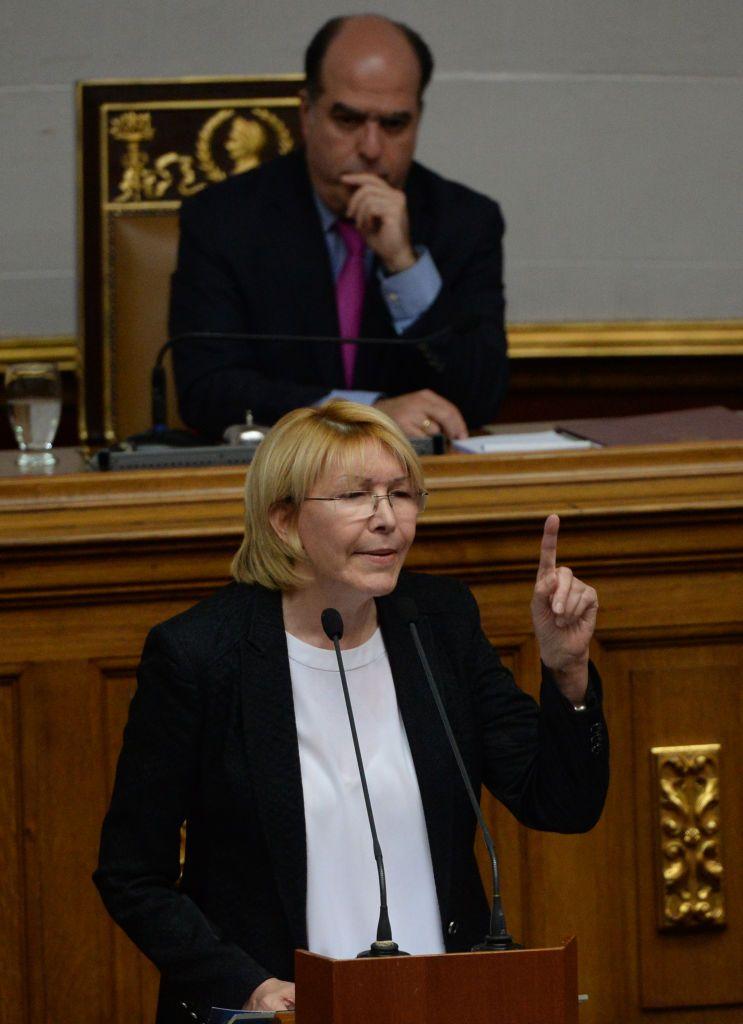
34 395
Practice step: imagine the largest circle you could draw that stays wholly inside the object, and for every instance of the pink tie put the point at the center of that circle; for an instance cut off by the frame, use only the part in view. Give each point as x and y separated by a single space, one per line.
349 294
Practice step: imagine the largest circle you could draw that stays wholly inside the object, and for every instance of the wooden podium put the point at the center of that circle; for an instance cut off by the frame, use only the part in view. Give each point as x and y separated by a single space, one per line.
524 986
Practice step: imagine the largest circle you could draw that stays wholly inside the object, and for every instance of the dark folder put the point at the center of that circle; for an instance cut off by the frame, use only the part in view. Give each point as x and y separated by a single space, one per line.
714 423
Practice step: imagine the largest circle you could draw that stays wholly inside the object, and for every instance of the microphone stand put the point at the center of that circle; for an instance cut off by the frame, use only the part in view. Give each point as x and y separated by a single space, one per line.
159 433
498 937
384 944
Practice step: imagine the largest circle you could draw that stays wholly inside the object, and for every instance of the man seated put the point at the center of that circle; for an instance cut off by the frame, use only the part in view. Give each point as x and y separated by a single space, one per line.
348 237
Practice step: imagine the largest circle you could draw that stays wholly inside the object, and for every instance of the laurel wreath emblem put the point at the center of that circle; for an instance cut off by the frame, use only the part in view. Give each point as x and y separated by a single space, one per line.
204 156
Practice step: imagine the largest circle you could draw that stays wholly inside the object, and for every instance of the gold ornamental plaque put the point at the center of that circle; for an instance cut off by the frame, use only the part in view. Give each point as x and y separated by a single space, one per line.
159 153
690 875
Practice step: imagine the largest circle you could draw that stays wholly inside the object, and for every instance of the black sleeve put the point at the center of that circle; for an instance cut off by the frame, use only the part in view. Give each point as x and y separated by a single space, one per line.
547 763
138 867
469 366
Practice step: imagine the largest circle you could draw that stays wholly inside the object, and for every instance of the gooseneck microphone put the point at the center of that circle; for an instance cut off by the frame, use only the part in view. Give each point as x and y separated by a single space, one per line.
498 937
158 432
332 623
460 323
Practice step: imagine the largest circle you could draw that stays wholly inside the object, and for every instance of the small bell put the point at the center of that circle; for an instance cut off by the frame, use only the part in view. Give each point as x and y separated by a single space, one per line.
244 433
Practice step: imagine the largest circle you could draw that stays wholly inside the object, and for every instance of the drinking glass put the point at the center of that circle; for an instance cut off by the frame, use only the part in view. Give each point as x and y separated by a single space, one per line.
34 395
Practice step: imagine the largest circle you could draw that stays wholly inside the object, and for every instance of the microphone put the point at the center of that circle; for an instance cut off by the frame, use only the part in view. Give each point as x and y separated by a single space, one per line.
460 323
158 433
498 937
332 623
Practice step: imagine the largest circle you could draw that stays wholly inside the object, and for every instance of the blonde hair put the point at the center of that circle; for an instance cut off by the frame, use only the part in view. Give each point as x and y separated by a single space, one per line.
288 463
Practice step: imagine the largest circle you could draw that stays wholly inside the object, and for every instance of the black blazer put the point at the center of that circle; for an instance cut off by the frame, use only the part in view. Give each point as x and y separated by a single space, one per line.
252 258
211 740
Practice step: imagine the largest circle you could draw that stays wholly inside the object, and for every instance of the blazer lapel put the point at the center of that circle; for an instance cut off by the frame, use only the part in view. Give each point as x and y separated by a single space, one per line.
272 748
305 266
272 752
434 763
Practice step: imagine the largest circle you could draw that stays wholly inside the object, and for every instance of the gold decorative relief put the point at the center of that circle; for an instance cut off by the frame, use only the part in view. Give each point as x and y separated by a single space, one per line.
239 140
173 149
690 872
139 181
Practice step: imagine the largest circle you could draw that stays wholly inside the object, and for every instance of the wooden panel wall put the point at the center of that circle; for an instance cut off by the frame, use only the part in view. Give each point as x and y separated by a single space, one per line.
89 563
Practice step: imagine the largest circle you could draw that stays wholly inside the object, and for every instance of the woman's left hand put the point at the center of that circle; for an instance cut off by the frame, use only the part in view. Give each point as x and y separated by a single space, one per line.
272 994
563 610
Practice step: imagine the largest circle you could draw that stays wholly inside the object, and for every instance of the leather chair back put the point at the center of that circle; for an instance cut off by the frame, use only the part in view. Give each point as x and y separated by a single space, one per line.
143 255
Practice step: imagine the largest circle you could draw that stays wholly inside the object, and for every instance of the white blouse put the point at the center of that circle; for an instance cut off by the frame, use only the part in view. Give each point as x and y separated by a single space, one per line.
342 885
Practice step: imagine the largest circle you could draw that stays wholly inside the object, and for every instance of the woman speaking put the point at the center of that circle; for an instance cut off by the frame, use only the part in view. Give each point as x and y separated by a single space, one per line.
238 729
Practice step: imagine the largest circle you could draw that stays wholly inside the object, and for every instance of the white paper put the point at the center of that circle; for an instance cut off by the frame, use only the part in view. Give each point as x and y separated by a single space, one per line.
534 441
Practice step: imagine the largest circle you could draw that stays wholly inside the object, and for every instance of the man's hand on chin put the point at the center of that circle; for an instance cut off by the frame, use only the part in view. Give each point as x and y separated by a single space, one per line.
423 414
380 212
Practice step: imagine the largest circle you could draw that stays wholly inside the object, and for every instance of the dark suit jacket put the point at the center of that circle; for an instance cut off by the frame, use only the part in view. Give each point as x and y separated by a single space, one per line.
211 739
253 259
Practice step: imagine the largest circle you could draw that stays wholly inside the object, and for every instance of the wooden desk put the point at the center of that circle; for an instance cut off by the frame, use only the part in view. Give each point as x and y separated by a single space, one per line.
90 561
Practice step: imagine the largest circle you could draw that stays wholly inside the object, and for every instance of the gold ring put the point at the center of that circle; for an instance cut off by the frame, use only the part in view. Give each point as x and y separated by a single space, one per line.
426 423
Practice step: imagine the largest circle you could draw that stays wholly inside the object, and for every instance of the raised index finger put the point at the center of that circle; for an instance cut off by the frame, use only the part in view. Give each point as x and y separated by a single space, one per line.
548 551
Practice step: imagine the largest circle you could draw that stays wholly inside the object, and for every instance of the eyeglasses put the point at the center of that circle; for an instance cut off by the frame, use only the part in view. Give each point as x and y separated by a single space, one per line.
353 505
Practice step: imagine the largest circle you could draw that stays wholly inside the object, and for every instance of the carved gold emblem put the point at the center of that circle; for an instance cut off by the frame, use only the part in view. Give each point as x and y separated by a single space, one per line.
690 876
139 181
230 142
